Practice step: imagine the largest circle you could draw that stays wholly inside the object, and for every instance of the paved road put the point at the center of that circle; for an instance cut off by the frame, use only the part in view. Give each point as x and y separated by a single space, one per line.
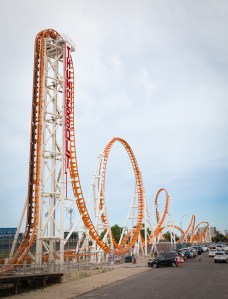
74 286
195 279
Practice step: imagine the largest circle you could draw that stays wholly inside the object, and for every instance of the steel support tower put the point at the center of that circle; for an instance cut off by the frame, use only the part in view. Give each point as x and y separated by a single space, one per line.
53 191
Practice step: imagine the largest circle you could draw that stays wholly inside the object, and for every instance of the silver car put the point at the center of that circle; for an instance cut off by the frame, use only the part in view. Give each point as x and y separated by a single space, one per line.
219 257
211 252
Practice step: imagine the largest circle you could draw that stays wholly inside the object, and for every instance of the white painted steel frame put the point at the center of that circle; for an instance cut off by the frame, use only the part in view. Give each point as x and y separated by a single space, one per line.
51 227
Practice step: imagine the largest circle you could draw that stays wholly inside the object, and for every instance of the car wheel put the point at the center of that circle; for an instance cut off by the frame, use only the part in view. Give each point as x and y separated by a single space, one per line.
173 264
215 261
155 265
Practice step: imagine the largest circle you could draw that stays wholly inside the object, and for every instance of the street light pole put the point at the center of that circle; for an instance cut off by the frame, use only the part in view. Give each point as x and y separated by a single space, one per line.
181 225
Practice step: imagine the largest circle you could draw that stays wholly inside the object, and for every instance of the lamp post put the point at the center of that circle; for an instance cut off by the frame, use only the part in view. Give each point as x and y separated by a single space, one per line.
181 224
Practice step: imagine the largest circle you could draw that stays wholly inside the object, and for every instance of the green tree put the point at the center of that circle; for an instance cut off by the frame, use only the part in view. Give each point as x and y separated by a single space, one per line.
219 238
116 232
168 236
142 232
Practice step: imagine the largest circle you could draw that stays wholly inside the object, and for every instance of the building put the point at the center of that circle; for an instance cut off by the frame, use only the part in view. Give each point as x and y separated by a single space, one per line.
7 232
213 231
7 235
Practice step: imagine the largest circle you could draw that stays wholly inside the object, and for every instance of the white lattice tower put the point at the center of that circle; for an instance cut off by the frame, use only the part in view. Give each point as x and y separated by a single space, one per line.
147 225
53 195
96 214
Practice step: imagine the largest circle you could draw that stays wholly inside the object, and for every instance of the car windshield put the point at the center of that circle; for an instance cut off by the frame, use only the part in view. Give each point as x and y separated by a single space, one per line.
219 253
162 257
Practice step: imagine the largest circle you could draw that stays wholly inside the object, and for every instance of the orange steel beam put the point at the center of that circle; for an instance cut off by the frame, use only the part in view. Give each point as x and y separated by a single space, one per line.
161 220
175 226
194 236
79 195
138 183
162 228
190 229
202 235
76 184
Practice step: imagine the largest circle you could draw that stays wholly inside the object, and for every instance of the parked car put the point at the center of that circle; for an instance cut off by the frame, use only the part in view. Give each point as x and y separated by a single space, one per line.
128 259
182 253
193 252
220 247
220 256
212 246
117 259
205 248
164 259
211 252
198 248
226 253
174 252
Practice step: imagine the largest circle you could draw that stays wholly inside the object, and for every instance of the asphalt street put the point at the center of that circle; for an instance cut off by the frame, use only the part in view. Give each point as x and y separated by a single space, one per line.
195 279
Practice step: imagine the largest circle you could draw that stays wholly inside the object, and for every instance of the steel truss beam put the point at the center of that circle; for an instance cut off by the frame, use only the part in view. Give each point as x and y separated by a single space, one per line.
53 200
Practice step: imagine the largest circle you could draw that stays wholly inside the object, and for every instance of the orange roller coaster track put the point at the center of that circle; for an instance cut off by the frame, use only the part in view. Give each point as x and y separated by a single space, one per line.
46 43
199 236
35 148
81 202
78 190
189 231
135 232
35 160
160 220
173 226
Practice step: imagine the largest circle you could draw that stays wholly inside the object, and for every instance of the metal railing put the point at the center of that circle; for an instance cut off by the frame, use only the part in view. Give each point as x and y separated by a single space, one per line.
34 269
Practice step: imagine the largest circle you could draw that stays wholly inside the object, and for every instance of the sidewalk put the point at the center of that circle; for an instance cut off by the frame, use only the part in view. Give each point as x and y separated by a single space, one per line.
77 287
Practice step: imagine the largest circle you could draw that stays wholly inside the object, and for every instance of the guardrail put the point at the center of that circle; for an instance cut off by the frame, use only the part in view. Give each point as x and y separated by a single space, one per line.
34 269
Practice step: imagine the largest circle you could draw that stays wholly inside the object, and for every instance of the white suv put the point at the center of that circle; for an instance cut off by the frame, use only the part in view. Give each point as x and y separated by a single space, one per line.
220 256
211 252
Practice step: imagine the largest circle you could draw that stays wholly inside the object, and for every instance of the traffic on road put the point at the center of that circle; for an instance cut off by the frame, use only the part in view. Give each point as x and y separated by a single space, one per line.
198 276
178 257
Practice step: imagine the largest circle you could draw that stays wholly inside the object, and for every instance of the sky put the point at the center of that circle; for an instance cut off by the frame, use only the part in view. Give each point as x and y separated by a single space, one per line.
151 72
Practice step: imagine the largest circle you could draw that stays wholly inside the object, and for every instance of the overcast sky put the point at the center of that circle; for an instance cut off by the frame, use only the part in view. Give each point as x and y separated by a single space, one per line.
152 72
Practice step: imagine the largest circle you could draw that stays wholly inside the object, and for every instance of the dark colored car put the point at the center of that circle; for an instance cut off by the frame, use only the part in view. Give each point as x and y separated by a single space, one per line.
182 253
128 259
198 248
164 259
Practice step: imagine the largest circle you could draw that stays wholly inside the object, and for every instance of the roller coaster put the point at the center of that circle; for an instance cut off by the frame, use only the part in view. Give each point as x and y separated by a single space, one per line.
53 168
